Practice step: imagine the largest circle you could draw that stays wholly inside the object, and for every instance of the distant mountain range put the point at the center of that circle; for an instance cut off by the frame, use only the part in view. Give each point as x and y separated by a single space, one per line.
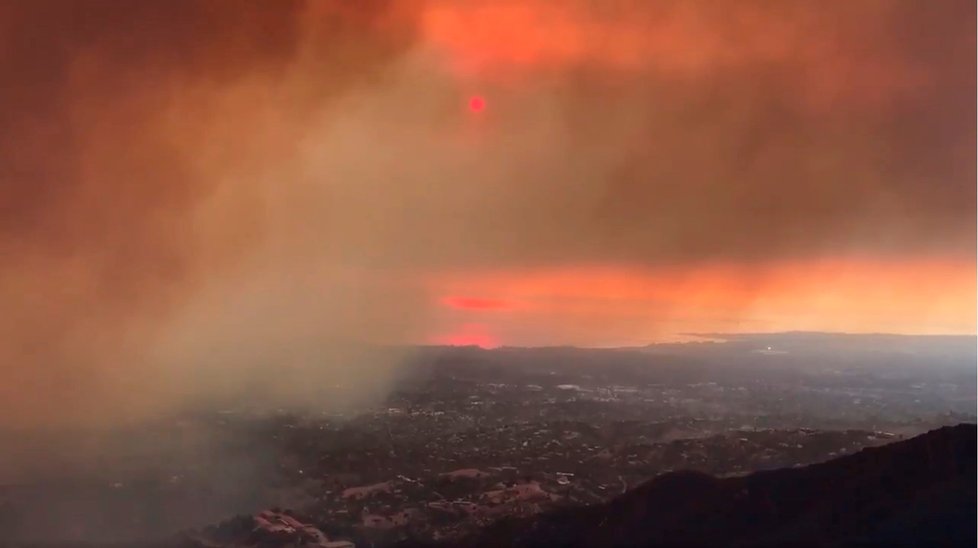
918 492
867 341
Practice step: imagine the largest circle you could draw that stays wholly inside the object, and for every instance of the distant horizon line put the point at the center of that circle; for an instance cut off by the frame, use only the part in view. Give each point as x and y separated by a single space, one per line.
714 338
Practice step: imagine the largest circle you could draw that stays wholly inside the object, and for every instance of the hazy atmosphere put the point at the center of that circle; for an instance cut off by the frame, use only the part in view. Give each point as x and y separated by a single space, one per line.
188 187
216 213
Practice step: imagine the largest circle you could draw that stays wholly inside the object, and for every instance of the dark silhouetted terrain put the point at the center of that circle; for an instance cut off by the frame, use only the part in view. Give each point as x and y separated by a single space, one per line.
915 492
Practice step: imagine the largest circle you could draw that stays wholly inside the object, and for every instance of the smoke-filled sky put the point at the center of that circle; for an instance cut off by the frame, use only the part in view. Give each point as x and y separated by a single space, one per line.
198 191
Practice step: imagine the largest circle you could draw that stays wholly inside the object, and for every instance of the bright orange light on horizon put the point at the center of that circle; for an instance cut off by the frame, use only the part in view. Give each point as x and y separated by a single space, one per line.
468 334
606 305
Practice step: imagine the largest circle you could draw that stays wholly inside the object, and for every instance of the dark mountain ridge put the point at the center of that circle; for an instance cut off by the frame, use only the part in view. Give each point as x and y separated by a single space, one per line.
917 492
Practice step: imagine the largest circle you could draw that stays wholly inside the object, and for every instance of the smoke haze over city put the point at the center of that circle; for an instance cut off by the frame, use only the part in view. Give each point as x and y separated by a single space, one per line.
194 192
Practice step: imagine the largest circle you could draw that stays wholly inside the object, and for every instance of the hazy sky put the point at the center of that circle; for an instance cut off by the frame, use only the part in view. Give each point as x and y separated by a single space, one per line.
190 190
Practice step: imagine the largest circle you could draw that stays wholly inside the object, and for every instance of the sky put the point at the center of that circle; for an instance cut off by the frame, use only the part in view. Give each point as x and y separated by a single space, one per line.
192 191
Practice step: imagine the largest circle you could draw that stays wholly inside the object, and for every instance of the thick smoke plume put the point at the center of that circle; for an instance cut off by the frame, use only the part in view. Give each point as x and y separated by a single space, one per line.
156 246
202 200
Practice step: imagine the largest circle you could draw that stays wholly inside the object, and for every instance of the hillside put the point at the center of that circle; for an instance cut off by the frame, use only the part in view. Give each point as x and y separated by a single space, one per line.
916 492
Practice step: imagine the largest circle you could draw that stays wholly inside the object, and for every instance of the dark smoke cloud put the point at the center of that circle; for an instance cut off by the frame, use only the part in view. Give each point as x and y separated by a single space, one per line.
197 193
748 132
133 134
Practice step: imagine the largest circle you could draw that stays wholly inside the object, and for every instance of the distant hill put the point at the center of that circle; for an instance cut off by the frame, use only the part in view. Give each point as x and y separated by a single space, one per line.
866 342
918 492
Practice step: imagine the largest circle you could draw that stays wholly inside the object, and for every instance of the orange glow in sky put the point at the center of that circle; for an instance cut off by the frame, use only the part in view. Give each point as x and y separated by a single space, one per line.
468 334
609 306
497 39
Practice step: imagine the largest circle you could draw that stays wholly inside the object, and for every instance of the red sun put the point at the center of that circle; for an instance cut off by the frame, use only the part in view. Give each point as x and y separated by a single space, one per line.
477 103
